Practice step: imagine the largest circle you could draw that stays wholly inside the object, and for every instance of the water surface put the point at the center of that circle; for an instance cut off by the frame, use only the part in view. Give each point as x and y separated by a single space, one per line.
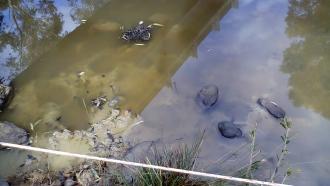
248 48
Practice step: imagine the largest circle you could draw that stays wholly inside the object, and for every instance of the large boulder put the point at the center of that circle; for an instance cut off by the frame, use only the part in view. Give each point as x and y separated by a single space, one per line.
9 133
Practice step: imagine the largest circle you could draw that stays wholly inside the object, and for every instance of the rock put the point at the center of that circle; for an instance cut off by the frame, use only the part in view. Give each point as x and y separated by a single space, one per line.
5 92
208 96
273 109
11 134
229 130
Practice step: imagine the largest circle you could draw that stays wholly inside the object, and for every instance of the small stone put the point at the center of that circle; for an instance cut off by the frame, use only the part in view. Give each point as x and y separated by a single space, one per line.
272 108
208 96
229 130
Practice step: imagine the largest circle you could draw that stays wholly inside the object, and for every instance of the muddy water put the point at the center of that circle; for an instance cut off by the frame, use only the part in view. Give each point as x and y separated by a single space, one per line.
249 49
111 66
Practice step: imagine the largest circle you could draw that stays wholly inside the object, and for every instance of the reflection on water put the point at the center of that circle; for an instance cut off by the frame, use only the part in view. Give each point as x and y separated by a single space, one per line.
28 27
83 9
246 61
307 59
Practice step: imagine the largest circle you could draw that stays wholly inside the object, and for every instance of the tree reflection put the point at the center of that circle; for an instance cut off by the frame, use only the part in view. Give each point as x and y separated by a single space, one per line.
82 9
29 28
307 60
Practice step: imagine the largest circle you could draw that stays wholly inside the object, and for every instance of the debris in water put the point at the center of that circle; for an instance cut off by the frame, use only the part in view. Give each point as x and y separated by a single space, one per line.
82 76
141 32
157 24
99 101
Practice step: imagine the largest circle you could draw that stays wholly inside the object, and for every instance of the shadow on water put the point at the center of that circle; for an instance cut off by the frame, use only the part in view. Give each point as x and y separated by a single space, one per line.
307 59
51 88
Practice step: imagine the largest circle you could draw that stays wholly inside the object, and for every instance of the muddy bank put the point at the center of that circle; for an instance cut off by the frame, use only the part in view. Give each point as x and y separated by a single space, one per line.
104 138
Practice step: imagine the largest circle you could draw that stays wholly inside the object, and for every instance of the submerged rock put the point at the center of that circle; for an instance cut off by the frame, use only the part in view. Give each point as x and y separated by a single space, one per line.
273 109
229 130
141 32
5 92
208 96
11 134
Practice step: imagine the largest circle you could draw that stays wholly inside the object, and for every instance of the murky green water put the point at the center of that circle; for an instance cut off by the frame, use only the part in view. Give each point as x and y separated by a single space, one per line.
249 49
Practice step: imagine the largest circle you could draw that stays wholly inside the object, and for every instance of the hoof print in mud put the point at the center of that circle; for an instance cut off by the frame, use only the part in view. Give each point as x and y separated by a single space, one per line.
9 133
141 32
208 96
272 108
229 130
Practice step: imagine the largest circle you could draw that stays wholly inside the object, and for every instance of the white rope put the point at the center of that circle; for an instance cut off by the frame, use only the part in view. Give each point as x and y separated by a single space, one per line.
61 153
